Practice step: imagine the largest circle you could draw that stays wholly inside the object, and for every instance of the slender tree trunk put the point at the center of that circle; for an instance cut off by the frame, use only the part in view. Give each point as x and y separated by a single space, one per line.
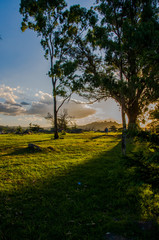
123 143
122 91
56 136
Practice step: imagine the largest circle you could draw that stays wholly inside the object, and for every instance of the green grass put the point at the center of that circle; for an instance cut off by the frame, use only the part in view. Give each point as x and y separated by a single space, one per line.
80 190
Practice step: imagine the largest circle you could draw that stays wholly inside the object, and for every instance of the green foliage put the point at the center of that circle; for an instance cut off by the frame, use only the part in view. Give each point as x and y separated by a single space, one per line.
145 164
133 130
146 167
7 129
154 117
63 120
149 137
34 127
119 55
50 20
53 23
63 132
19 130
113 128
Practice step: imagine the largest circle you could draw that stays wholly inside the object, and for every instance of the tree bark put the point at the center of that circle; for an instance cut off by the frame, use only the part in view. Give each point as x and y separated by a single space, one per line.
132 114
123 143
56 136
132 120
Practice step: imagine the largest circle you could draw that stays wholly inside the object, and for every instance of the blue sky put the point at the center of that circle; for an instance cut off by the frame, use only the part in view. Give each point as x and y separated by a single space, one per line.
23 76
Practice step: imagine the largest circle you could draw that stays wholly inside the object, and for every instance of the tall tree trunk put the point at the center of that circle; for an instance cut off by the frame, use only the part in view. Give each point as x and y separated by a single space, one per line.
56 136
123 144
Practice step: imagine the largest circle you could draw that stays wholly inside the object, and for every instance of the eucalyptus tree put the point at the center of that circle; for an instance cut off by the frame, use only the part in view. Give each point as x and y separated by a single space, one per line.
57 28
120 54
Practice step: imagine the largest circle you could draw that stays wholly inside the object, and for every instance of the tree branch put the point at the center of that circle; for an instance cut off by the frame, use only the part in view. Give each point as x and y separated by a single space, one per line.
67 98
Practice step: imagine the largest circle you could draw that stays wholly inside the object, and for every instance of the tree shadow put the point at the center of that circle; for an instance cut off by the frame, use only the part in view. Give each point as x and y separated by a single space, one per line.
21 151
82 203
107 135
27 150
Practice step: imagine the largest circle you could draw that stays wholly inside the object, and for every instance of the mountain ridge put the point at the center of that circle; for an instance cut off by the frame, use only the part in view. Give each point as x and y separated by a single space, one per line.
100 125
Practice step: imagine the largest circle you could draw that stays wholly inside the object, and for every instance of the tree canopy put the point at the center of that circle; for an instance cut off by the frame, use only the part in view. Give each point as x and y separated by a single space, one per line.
52 22
119 55
111 51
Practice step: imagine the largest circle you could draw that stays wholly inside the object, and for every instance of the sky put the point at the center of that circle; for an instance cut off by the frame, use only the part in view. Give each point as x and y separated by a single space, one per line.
25 88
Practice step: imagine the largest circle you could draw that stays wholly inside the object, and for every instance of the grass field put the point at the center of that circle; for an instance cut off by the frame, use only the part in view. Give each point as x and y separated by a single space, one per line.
79 190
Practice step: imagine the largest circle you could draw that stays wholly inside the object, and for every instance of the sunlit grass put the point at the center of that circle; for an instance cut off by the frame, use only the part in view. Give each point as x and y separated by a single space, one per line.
81 189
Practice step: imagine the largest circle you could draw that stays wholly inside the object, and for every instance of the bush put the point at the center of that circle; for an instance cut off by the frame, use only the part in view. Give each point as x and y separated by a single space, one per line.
63 132
153 139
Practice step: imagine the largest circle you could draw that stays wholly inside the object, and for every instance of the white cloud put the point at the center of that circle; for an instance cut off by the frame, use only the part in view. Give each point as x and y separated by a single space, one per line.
36 106
75 109
44 97
7 93
16 102
78 109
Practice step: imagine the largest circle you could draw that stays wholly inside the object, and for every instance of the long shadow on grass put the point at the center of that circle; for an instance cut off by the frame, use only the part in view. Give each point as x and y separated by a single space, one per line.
106 136
81 203
27 150
21 151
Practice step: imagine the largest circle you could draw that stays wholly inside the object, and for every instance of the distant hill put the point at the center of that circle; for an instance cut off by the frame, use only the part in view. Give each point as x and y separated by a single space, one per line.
101 125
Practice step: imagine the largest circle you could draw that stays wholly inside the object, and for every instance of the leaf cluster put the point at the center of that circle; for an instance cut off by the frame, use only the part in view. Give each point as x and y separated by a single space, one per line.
124 40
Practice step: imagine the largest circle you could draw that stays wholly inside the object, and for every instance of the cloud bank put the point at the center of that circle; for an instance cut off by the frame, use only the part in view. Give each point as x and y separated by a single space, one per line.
13 103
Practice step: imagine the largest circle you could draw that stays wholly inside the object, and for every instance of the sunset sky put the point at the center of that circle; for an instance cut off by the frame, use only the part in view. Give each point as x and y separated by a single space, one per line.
25 89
